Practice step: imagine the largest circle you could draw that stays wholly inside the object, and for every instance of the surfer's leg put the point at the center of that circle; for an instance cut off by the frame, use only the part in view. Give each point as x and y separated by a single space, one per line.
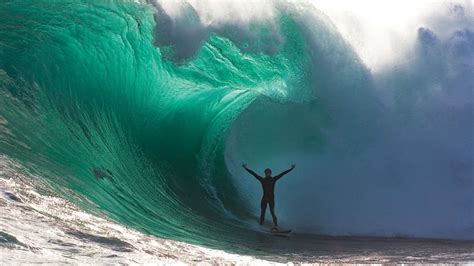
263 208
272 210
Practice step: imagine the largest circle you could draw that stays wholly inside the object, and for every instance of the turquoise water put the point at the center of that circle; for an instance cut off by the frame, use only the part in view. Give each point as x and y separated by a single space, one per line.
84 87
96 84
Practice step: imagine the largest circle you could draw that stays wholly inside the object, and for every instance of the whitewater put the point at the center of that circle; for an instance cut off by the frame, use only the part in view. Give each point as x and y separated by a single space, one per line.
124 124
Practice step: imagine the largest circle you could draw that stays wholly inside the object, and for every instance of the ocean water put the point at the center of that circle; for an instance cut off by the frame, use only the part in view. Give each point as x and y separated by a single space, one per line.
141 113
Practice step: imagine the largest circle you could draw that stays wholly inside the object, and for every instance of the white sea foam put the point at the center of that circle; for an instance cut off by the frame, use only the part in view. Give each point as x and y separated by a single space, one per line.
49 229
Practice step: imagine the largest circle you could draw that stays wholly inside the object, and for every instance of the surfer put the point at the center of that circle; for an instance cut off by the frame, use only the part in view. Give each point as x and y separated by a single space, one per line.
268 186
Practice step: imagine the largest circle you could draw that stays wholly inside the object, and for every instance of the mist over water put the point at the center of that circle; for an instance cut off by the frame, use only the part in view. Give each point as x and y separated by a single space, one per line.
393 159
172 98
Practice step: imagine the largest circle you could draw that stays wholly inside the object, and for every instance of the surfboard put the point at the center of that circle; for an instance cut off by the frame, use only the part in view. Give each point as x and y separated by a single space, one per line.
280 232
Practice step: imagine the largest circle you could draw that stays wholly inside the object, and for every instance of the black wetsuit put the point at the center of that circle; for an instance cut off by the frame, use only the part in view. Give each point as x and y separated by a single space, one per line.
268 186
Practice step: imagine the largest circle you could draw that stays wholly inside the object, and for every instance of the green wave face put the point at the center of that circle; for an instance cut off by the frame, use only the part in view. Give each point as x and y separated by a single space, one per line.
84 85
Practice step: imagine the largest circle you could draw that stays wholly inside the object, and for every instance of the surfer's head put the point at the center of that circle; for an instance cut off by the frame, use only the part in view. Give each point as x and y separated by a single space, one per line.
268 172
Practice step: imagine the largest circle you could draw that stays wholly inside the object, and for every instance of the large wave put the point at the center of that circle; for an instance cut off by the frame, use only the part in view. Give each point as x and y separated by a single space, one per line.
171 105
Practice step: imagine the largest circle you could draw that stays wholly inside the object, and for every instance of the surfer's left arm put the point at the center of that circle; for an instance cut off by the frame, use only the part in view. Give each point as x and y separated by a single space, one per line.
259 178
284 172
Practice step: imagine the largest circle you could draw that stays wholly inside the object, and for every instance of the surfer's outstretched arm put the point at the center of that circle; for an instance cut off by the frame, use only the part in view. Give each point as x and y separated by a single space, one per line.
284 173
259 178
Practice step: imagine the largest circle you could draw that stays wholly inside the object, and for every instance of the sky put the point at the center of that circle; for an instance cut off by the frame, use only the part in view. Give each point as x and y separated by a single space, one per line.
384 31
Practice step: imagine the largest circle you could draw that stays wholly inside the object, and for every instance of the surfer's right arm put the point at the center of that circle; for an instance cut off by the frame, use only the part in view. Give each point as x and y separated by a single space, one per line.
259 178
284 173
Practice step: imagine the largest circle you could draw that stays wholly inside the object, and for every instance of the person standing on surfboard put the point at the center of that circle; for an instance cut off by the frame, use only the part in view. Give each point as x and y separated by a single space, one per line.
268 186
